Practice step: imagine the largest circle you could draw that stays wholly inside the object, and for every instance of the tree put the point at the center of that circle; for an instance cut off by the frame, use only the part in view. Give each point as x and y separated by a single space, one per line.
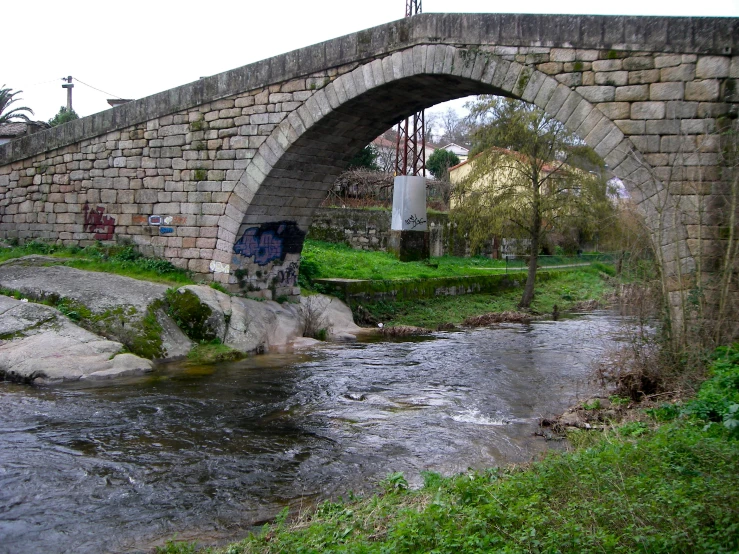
439 163
63 116
520 183
453 128
7 97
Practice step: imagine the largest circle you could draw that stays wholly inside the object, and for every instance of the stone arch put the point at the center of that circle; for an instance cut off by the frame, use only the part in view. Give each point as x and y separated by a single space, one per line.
292 170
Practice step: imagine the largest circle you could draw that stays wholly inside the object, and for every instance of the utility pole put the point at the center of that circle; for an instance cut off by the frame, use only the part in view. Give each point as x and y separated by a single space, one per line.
69 86
409 235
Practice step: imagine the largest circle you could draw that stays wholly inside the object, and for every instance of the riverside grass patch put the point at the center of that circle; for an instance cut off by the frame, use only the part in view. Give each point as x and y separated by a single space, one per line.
325 260
566 289
120 260
672 487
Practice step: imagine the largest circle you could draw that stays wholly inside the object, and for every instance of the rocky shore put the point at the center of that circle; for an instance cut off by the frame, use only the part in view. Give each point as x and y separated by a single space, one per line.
59 323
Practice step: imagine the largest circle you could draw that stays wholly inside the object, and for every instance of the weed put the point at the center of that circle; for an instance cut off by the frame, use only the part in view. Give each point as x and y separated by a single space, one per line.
594 405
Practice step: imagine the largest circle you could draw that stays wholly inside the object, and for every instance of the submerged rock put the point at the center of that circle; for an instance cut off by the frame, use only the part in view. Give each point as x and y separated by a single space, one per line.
39 344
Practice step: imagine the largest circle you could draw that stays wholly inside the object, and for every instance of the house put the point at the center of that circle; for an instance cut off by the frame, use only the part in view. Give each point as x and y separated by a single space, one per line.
461 152
506 190
15 129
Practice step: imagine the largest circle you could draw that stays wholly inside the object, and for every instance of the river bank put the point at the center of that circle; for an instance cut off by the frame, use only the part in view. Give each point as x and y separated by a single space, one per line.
61 323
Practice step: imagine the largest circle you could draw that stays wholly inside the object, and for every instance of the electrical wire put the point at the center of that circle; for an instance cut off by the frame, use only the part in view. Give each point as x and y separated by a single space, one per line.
97 89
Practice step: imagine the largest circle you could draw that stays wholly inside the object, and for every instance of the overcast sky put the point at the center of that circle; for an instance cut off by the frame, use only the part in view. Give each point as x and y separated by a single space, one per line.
136 48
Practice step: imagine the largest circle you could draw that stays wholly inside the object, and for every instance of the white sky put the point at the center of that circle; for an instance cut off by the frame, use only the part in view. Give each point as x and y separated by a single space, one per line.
136 48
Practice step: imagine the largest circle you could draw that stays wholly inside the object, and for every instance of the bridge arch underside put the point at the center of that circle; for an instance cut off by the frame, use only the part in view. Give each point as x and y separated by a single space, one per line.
268 216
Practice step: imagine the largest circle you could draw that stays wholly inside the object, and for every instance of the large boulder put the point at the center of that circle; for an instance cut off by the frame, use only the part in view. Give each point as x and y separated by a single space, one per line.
259 326
122 309
39 344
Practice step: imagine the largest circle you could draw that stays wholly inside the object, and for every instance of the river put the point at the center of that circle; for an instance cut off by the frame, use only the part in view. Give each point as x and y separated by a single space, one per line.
206 452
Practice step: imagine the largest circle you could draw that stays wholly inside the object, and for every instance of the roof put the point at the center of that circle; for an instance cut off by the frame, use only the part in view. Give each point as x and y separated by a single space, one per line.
13 129
546 167
19 128
453 146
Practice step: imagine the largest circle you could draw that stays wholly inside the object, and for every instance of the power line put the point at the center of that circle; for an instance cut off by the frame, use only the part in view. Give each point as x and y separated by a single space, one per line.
97 89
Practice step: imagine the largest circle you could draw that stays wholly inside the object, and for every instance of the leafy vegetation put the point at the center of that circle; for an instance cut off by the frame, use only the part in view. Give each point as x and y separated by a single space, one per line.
439 163
213 352
8 97
521 181
63 116
659 488
565 289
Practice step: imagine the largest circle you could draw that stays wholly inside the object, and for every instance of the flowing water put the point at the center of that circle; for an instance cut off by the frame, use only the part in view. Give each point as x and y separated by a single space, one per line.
207 452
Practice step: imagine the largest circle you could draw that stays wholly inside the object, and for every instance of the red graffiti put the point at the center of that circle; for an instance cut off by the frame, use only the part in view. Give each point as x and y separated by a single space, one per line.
97 222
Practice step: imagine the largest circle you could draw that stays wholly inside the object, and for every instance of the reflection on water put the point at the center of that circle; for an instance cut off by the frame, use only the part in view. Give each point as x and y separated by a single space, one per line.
207 451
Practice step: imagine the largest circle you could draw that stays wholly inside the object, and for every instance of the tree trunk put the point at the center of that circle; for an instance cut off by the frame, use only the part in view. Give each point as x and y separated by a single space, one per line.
528 291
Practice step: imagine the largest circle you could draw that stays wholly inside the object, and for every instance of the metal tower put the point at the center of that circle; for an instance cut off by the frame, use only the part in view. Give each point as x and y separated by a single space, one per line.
410 152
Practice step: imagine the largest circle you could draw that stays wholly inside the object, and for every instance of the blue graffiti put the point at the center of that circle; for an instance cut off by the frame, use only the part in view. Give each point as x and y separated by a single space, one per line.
265 247
272 241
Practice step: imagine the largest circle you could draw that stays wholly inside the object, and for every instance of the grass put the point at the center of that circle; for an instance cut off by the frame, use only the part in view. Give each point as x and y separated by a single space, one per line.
322 260
120 260
667 484
212 353
565 290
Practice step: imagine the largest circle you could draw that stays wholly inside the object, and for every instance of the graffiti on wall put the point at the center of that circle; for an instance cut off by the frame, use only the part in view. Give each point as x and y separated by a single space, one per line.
97 222
270 241
288 276
414 221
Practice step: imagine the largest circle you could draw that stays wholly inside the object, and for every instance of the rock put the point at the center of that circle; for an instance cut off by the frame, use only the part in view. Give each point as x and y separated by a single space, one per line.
113 306
39 344
252 326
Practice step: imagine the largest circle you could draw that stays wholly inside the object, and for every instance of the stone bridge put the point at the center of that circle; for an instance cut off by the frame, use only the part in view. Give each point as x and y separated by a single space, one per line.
221 176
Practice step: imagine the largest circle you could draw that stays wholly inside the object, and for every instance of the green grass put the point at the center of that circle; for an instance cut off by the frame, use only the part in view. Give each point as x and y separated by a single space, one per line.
564 290
329 260
212 353
120 260
670 487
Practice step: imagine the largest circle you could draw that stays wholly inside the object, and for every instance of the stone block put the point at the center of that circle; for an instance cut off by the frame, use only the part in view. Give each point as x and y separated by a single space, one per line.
632 93
646 143
607 65
550 68
569 79
682 72
615 110
617 78
145 196
667 60
644 76
638 62
702 91
663 127
712 67
734 68
598 93
631 127
681 110
647 110
667 91
587 55
562 55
